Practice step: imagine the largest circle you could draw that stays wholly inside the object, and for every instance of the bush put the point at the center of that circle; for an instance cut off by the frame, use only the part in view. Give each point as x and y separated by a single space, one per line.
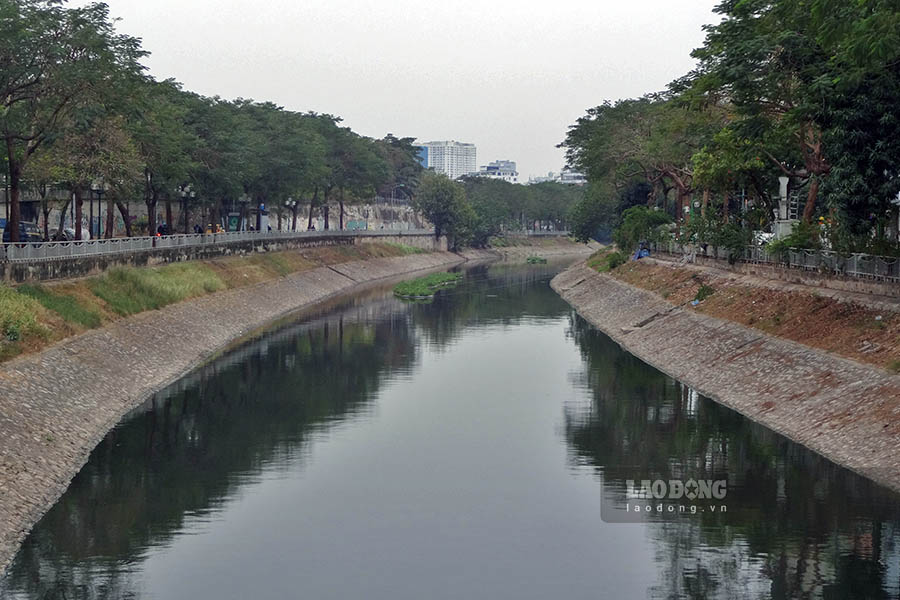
604 261
18 315
614 260
805 236
639 223
704 292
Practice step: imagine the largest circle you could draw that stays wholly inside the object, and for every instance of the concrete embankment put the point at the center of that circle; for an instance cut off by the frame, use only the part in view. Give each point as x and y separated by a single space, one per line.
840 408
55 406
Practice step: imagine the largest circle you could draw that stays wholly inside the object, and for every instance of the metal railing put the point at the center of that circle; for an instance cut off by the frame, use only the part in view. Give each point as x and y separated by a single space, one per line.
42 251
863 266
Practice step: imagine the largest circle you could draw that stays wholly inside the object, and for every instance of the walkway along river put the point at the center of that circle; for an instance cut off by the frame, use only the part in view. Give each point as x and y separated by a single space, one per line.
475 447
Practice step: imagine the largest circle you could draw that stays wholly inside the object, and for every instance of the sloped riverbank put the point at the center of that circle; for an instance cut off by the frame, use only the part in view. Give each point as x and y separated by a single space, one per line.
56 405
840 408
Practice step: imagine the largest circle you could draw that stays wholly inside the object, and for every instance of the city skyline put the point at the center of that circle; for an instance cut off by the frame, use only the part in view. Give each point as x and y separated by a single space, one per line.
511 86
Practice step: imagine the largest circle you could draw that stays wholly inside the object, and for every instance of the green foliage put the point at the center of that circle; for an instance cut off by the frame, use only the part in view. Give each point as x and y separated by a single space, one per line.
639 223
536 260
427 286
443 202
18 315
66 307
803 235
405 249
604 261
704 292
128 291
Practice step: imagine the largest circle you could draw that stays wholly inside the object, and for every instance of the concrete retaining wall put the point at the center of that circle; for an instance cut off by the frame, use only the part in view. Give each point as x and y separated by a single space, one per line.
57 405
82 266
844 410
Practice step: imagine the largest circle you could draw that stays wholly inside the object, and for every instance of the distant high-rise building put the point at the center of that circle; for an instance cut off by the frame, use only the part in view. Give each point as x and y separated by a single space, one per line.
453 159
500 169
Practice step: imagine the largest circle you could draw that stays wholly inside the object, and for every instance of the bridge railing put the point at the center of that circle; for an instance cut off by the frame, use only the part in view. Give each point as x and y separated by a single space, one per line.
41 251
859 265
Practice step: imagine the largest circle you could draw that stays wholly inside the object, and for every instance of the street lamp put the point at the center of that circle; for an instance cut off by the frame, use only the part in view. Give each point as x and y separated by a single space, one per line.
187 193
244 201
292 204
98 186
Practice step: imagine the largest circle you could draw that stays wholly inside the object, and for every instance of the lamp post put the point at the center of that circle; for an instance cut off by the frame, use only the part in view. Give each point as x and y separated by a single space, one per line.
98 186
393 189
244 200
187 193
292 204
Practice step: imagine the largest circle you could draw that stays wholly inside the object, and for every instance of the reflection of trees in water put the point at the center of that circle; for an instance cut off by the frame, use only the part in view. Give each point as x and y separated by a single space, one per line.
496 294
796 524
188 453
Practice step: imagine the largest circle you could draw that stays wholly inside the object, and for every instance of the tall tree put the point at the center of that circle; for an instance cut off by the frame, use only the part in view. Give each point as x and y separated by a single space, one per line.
54 59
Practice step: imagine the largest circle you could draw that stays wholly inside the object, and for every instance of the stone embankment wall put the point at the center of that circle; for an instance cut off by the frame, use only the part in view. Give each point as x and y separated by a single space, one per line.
57 405
830 281
844 410
82 266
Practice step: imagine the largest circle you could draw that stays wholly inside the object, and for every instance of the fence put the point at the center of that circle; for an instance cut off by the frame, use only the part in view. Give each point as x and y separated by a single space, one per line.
42 251
863 266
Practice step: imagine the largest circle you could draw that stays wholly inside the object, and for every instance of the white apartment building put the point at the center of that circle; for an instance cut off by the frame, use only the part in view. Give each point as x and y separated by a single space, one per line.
453 159
500 169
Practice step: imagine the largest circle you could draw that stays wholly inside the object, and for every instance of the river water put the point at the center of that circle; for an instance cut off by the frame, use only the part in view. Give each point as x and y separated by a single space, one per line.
481 446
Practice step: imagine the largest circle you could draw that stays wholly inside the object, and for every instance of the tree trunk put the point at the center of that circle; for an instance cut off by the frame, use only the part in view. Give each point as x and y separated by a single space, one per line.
151 200
705 203
169 229
726 208
294 218
325 214
186 216
810 207
279 219
110 219
123 210
62 219
79 213
45 209
15 212
341 211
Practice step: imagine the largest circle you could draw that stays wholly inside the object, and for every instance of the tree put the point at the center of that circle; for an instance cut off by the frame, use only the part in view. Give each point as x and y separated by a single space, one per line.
54 59
443 202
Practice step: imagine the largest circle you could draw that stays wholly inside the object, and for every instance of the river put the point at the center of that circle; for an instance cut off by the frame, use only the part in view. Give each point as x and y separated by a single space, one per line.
487 445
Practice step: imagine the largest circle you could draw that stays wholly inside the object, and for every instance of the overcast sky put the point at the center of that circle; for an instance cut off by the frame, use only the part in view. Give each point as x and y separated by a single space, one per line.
509 76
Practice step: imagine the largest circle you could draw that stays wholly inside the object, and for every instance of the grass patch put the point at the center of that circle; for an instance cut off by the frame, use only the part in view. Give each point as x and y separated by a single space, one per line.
66 307
403 249
18 315
604 261
536 260
427 286
129 291
704 292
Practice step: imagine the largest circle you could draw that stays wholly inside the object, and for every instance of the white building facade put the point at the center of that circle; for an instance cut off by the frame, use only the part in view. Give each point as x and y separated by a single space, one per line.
504 170
453 159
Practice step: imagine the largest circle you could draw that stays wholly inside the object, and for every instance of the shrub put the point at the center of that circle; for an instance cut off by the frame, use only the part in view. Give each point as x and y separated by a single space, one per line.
704 292
18 315
804 235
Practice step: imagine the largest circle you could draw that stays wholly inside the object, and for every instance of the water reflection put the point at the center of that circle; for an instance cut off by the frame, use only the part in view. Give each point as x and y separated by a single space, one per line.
796 524
455 449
